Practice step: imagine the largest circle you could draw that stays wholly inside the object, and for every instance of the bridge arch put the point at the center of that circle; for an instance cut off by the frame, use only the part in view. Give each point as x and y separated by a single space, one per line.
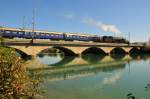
94 50
64 50
118 53
93 54
118 50
134 50
21 53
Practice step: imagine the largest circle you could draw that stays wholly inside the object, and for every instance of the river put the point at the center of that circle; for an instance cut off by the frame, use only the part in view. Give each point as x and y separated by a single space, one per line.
93 76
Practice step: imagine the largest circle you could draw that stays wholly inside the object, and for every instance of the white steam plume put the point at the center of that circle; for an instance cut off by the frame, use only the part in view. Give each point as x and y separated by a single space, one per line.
104 27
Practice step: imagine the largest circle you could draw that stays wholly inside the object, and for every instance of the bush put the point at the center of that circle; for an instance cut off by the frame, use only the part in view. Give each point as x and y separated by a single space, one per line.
14 79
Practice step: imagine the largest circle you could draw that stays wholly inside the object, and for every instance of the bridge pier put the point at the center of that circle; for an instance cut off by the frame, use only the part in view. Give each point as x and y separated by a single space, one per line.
33 56
107 50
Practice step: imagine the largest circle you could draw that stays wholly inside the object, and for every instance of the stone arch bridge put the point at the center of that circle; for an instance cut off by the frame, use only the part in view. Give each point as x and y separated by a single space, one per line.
71 48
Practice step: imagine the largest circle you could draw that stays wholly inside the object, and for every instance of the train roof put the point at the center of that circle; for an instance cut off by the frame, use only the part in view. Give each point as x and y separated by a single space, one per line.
13 29
42 31
29 30
70 33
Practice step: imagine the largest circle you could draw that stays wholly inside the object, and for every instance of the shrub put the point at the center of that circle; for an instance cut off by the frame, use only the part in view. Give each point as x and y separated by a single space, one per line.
14 79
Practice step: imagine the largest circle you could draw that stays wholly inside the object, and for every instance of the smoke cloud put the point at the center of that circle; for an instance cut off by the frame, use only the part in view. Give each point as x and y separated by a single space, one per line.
102 26
90 21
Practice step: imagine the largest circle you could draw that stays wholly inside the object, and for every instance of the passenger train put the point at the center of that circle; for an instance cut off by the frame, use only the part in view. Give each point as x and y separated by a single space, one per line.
30 34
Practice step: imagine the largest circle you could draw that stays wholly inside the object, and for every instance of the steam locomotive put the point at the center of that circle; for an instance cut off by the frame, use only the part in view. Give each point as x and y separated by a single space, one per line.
30 34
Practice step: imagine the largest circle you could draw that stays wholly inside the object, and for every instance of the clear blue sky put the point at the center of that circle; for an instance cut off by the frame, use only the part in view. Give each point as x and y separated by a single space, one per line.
83 16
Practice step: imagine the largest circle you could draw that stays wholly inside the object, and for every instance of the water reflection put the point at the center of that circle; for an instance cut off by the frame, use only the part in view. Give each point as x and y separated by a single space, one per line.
49 58
144 56
92 58
64 61
67 73
112 79
57 59
87 64
96 77
135 56
118 56
70 67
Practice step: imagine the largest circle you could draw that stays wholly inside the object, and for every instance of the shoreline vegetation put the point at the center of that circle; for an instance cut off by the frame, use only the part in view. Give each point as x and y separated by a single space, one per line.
15 81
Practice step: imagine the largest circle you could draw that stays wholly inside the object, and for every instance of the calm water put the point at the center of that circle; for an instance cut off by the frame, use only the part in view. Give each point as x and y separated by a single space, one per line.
95 77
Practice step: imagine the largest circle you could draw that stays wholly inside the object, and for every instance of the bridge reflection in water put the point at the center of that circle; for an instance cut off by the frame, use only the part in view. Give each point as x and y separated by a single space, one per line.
59 67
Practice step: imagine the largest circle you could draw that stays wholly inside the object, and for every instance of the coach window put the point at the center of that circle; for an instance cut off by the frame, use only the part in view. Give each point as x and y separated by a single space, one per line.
34 33
20 32
42 34
77 36
47 34
7 31
27 33
67 35
14 32
37 33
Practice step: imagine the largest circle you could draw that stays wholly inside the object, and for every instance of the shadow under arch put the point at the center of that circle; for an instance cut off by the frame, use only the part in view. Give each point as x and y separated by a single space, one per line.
134 53
66 51
94 50
49 50
118 53
93 55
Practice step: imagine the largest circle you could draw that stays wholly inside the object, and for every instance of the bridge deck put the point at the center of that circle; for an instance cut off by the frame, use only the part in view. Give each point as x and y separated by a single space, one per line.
65 43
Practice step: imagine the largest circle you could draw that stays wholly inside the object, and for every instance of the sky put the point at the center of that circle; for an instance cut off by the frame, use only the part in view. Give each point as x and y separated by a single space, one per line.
100 17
